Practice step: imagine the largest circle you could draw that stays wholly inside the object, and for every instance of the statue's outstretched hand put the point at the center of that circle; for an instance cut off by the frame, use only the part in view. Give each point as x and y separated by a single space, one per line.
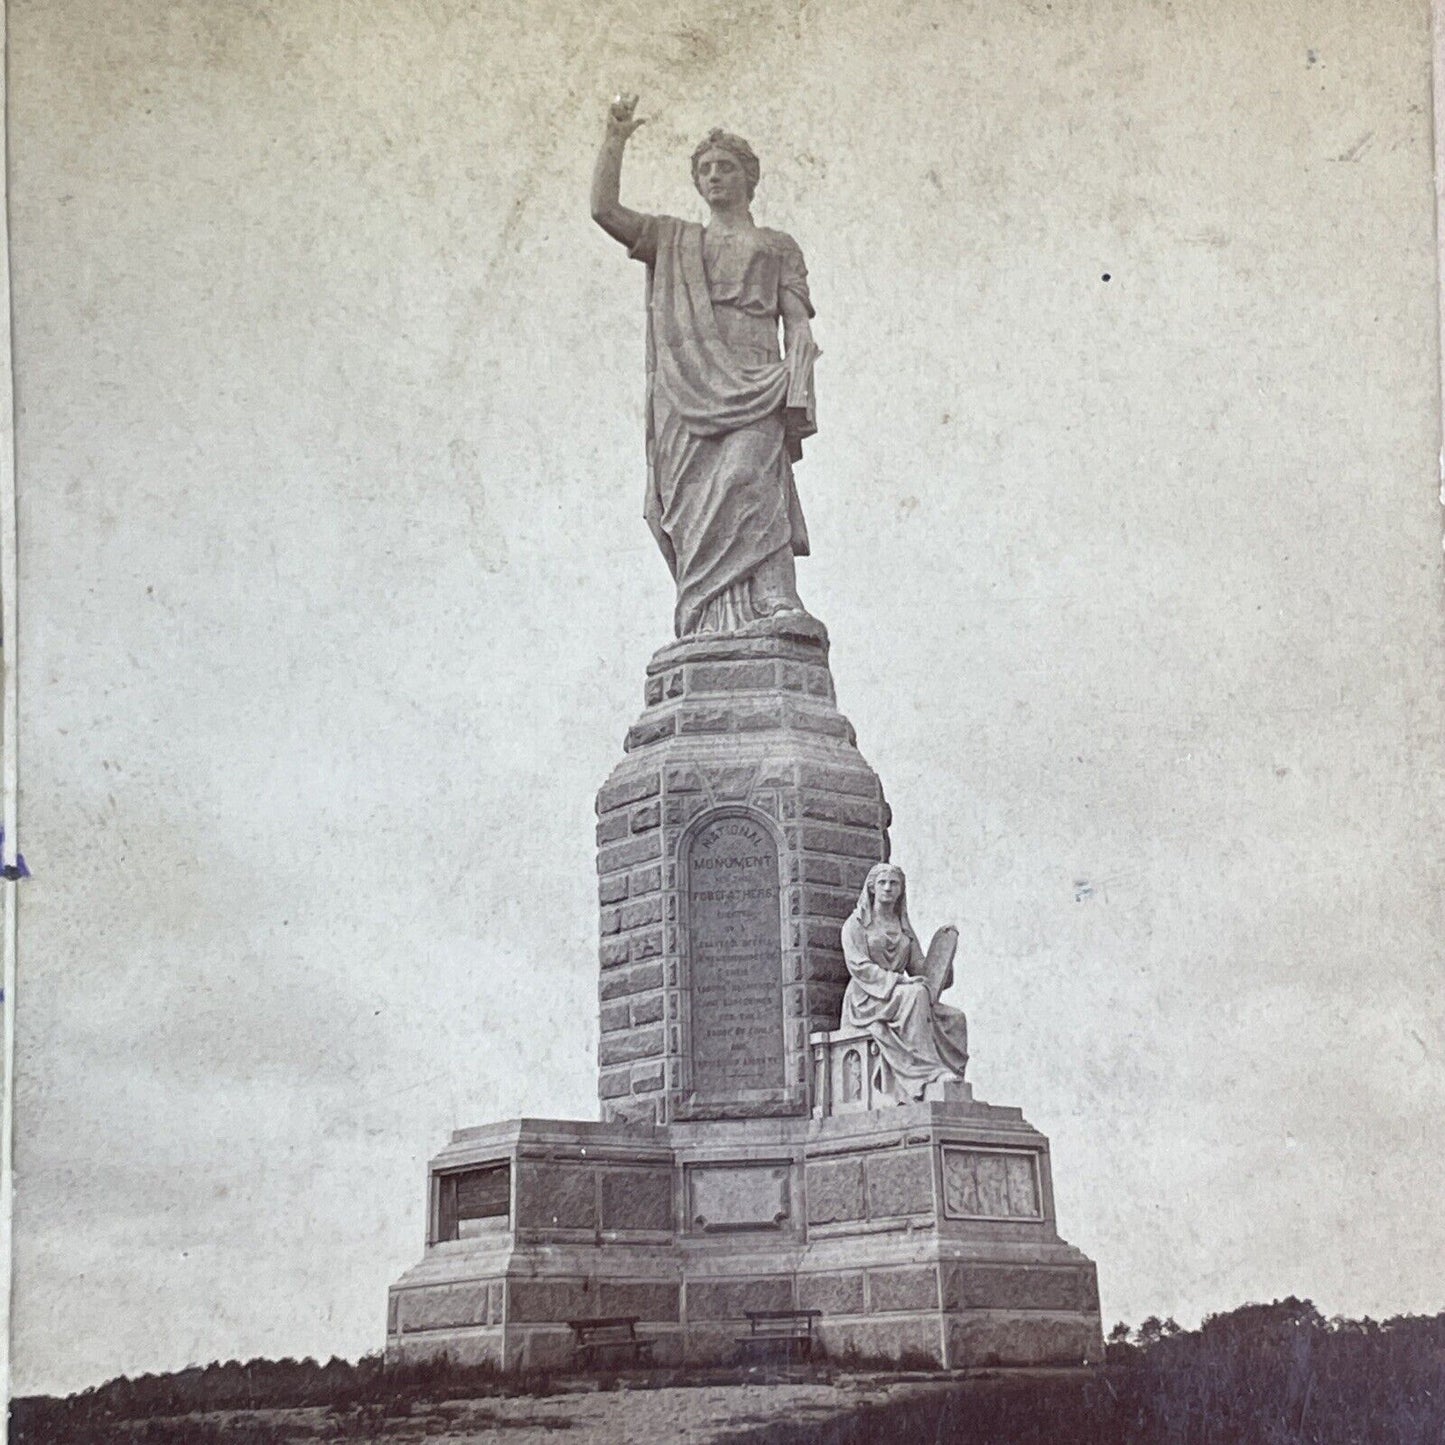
621 122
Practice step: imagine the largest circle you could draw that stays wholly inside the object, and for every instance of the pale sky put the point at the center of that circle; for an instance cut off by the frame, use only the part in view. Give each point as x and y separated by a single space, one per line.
336 600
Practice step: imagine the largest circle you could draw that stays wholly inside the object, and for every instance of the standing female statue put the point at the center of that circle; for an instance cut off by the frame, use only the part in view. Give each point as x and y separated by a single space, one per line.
894 987
726 410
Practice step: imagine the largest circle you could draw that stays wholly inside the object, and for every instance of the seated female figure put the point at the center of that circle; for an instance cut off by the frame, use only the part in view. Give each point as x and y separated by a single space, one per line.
894 987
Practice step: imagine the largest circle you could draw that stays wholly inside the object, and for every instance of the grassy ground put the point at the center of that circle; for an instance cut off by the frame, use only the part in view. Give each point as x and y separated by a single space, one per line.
1263 1375
650 1409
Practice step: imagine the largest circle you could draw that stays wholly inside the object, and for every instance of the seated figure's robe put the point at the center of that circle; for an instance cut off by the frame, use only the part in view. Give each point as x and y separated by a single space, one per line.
920 1039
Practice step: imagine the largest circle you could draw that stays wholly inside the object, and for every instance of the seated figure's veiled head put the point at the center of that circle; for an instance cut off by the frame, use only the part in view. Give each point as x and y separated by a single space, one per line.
895 890
886 882
718 154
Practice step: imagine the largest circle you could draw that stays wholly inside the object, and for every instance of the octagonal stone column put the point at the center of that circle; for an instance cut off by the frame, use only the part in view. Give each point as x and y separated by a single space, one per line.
732 841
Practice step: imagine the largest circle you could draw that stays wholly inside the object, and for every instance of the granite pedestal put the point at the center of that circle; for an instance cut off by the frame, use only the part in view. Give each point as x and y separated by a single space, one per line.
746 1158
924 1232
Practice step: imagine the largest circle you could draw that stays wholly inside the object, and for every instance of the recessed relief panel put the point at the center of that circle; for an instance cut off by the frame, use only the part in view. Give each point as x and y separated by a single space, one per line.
735 958
724 1197
990 1184
472 1202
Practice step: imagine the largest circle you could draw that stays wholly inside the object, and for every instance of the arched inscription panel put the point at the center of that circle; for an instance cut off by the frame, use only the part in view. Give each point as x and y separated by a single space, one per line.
735 956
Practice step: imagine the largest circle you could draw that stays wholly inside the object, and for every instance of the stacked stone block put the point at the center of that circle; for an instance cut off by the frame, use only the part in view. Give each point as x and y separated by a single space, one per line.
745 727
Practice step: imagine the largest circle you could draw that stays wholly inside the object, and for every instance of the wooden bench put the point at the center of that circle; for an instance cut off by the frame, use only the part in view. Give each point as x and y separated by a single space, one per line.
613 1338
772 1332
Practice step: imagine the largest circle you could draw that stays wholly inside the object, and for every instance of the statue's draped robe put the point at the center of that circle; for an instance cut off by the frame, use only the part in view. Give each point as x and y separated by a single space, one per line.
920 1040
726 415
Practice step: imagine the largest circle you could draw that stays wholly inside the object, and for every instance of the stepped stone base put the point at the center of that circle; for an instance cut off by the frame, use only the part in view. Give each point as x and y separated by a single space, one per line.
923 1232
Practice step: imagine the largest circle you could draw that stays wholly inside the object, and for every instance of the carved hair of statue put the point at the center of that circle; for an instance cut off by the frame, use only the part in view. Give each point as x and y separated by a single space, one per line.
718 139
864 908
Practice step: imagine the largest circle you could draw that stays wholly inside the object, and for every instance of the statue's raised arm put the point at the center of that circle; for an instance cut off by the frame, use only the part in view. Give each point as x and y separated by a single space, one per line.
728 407
607 209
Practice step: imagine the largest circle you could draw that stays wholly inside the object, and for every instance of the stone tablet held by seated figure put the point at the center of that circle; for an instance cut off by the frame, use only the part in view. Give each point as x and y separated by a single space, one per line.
727 410
894 987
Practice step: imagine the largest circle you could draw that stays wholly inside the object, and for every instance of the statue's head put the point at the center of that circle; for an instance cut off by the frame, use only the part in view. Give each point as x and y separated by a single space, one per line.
724 167
886 883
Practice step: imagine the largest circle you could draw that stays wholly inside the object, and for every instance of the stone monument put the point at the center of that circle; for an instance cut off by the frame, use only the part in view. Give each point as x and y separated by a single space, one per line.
785 1123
